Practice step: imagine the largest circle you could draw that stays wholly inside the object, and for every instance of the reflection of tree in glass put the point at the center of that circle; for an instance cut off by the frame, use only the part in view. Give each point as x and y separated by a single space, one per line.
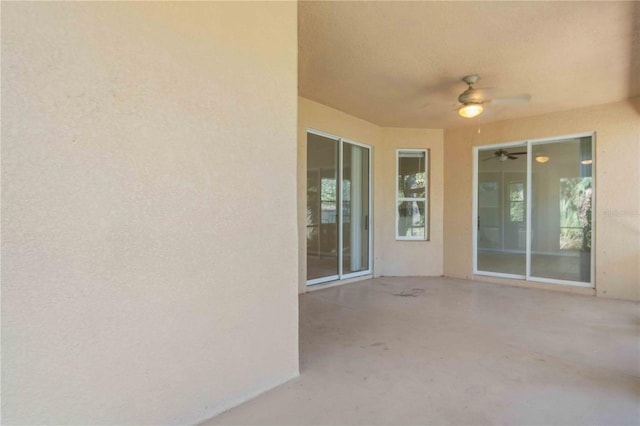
312 213
516 202
585 217
412 183
328 190
575 213
328 200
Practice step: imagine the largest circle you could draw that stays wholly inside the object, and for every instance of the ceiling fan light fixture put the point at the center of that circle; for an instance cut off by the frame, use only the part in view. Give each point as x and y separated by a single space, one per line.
470 110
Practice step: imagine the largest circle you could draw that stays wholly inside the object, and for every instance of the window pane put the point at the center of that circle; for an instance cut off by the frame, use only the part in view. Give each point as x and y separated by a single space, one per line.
411 219
411 175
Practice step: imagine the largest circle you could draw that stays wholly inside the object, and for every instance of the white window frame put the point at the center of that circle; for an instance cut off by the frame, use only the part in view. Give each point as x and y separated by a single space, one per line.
425 198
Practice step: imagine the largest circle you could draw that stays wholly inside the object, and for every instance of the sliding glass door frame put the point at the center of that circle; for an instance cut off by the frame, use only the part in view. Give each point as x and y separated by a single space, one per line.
341 275
529 144
338 195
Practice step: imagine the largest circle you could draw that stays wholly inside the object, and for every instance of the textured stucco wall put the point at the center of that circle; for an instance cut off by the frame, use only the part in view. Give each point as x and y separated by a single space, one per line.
617 172
390 257
149 241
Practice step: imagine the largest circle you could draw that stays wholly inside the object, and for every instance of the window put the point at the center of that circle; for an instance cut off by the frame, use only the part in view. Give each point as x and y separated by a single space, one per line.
411 194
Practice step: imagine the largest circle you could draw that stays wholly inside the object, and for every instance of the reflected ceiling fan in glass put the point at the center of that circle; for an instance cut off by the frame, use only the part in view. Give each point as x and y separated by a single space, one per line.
503 155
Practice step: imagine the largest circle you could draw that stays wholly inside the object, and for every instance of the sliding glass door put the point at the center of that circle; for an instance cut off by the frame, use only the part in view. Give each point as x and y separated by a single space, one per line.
561 210
338 208
534 210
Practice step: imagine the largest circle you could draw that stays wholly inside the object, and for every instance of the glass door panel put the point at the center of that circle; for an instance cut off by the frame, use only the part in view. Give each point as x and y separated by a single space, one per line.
355 208
561 210
501 195
322 207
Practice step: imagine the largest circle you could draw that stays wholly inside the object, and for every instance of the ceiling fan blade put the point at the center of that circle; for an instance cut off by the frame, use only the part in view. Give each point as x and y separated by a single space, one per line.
512 157
518 99
490 158
518 153
484 92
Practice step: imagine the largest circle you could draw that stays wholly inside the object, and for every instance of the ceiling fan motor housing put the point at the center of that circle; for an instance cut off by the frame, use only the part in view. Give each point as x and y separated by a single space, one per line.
471 95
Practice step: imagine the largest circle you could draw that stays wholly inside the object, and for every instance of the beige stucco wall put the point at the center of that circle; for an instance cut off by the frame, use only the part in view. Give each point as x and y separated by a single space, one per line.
390 257
149 264
617 172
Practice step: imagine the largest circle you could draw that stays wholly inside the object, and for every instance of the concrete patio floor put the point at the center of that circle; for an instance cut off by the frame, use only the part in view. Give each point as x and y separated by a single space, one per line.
445 351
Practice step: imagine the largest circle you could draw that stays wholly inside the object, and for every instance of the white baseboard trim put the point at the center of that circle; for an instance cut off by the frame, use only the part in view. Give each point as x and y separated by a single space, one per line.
245 395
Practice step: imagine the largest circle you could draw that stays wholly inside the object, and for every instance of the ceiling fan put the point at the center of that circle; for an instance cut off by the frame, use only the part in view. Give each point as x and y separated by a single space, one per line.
472 99
503 155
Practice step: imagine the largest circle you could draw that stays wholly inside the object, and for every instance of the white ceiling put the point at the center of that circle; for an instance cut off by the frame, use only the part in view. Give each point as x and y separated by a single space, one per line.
400 63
